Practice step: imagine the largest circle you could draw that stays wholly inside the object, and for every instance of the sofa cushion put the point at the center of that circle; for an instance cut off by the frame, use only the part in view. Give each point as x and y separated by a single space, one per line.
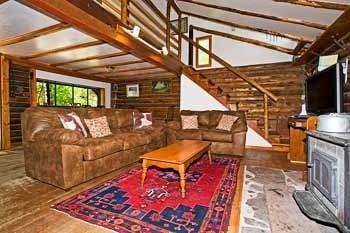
142 120
72 121
190 134
155 133
217 136
133 139
96 148
203 117
189 122
98 127
226 122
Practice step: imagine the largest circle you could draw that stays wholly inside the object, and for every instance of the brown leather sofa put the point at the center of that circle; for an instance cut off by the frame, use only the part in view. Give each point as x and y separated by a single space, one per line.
65 158
223 142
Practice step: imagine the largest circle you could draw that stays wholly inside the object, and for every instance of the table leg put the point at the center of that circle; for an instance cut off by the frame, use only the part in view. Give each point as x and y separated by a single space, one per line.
182 180
209 155
144 173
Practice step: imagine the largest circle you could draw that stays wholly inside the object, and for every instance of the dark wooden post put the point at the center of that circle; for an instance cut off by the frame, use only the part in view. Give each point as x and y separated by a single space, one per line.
180 36
33 97
190 47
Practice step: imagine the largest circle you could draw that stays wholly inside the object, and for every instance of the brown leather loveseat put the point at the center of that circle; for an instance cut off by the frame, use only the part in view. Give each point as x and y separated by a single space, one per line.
223 142
65 158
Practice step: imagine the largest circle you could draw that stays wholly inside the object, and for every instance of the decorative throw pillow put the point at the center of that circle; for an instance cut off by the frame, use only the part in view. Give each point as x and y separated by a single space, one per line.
189 122
226 122
72 121
142 120
98 127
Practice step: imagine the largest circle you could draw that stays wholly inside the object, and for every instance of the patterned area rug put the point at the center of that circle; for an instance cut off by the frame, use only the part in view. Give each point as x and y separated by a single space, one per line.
121 205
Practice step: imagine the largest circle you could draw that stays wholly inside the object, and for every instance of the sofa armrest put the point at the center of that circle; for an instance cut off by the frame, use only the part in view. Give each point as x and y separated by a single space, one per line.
239 138
59 136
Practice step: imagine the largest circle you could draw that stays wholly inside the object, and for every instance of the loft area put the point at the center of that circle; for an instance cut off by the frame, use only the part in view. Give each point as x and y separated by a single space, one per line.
174 116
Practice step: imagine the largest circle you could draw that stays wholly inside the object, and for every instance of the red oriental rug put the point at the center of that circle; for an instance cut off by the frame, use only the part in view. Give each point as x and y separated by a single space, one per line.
121 205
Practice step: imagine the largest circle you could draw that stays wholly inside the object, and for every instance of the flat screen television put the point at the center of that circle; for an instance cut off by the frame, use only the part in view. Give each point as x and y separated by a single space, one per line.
324 91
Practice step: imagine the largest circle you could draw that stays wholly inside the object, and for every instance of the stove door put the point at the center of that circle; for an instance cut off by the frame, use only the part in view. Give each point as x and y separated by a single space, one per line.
324 175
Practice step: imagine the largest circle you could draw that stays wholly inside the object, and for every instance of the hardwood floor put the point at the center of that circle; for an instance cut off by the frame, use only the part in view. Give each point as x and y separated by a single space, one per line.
25 202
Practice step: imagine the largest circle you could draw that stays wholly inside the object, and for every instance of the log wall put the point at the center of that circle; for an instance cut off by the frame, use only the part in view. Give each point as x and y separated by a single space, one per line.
282 79
160 104
20 99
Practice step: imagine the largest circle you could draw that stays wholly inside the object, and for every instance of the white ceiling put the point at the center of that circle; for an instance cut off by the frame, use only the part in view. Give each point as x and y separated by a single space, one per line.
267 7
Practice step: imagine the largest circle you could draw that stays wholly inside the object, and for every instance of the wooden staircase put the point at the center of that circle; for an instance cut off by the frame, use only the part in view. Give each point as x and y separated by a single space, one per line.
221 94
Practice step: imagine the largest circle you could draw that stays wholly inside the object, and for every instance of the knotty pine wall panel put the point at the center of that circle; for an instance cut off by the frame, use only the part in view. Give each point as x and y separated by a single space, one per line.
160 104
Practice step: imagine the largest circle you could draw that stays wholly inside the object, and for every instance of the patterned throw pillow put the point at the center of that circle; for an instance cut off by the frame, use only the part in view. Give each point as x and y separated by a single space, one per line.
72 121
189 122
98 127
226 122
142 120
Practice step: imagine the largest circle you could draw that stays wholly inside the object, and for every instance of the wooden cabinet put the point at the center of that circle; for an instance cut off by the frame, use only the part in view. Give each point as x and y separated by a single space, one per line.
297 127
297 150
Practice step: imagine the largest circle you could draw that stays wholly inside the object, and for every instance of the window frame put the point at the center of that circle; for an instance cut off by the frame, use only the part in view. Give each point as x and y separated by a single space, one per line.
97 90
198 39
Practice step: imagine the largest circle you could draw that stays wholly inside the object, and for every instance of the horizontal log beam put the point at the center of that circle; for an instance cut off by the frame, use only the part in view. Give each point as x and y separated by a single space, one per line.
116 65
261 30
63 49
49 68
317 4
127 70
34 34
66 11
97 57
259 15
246 40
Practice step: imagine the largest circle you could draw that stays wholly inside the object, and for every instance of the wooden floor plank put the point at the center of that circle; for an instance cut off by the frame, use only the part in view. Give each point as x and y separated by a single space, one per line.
25 202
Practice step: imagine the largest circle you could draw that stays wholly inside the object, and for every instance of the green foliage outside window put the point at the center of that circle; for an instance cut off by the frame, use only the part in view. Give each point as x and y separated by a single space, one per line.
59 94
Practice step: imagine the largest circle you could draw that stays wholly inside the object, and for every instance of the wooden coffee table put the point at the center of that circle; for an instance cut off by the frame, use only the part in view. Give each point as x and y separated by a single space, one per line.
177 156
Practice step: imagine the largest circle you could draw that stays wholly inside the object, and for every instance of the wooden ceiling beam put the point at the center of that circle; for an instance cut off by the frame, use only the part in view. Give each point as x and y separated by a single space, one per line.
155 74
261 30
259 15
109 65
50 68
3 1
97 57
34 34
63 49
317 4
335 32
68 12
111 73
246 40
116 65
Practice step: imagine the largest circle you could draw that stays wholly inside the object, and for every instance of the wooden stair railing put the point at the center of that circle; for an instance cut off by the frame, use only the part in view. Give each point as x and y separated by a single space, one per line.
267 94
199 78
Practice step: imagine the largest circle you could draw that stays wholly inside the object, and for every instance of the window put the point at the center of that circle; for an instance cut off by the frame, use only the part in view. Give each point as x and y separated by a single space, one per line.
202 58
63 95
